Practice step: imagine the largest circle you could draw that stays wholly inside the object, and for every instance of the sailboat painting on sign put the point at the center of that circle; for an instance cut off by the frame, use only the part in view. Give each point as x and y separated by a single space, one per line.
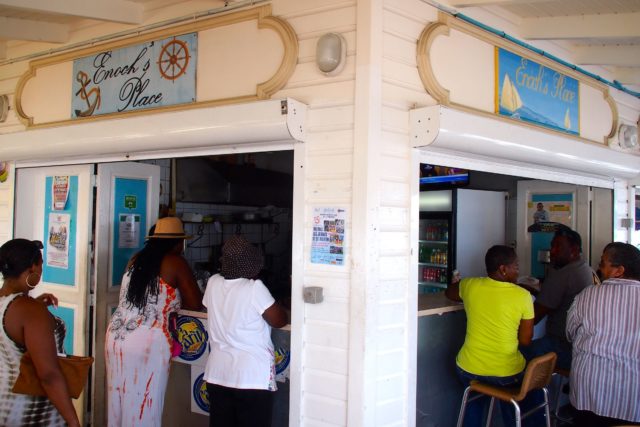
531 92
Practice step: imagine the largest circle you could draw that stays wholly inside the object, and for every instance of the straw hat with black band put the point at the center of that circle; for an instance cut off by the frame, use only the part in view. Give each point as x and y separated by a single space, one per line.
168 228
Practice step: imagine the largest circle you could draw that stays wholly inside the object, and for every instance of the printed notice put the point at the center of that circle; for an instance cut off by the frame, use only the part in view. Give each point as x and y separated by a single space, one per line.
129 231
60 192
58 240
327 242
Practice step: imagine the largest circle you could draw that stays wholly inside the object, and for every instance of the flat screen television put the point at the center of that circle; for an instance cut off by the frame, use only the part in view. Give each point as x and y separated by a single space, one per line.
435 177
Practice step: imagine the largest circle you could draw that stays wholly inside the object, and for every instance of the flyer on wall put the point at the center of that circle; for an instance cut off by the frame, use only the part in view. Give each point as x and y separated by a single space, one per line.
129 231
58 240
327 242
60 192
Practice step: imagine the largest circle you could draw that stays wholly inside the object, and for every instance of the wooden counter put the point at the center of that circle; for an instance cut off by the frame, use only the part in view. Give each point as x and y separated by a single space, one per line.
436 303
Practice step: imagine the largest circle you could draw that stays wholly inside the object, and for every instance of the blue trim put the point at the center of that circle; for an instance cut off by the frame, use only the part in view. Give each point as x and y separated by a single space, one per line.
565 197
615 84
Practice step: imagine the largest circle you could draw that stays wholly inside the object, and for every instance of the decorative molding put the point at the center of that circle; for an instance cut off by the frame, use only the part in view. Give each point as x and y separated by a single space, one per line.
431 84
264 90
443 27
614 114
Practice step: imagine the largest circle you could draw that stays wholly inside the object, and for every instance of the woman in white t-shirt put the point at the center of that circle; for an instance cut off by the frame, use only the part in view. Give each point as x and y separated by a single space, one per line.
240 370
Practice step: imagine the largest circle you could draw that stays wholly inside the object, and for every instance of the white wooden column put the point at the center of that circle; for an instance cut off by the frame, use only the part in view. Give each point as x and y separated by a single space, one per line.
364 294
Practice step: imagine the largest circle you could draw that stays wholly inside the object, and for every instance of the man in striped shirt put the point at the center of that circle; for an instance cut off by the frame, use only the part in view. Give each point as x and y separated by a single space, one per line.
604 326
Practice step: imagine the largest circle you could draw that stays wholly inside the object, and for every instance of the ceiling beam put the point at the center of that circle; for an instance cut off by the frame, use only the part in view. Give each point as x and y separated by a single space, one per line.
620 56
121 11
481 3
608 26
23 29
627 76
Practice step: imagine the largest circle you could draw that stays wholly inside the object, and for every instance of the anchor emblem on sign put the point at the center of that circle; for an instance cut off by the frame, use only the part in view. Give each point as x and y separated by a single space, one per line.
84 81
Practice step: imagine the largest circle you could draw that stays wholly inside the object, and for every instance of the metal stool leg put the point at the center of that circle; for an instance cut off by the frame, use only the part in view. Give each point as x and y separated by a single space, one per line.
546 407
463 406
490 414
517 409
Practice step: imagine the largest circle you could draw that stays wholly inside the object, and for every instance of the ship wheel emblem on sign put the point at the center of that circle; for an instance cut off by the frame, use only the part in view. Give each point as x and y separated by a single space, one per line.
173 59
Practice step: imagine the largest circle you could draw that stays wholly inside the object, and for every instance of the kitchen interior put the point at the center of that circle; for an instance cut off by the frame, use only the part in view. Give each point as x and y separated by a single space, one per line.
218 196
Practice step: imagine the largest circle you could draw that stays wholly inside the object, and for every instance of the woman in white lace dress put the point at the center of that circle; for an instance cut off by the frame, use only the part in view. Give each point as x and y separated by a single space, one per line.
27 325
158 282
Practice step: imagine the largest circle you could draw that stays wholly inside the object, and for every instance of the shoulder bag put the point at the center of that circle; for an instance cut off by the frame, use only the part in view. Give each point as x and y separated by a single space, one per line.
75 370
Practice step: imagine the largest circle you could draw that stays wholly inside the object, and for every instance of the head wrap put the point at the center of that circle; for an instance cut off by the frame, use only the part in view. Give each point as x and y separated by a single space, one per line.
240 259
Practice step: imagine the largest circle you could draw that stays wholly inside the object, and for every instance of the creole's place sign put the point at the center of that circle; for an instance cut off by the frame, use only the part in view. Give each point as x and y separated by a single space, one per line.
153 74
529 91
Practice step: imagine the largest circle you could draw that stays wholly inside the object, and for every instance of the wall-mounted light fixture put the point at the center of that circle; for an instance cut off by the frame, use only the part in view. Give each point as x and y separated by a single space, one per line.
331 52
628 136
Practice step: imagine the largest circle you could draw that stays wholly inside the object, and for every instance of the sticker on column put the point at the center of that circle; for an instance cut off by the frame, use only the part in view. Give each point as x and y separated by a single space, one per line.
282 357
199 395
60 192
58 240
194 338
128 231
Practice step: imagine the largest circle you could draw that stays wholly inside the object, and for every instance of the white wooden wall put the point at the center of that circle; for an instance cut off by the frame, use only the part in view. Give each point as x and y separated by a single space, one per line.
354 355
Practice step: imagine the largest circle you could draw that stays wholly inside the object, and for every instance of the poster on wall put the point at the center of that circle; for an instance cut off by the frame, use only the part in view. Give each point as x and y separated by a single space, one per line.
555 208
58 240
327 241
60 192
129 231
531 92
152 74
59 231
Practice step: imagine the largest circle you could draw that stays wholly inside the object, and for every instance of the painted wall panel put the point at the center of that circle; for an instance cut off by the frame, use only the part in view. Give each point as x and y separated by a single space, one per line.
469 76
393 243
330 141
599 119
325 384
331 411
393 268
229 56
45 101
394 193
402 25
326 359
396 288
389 388
390 313
390 412
330 335
393 218
390 362
393 335
336 309
337 19
330 166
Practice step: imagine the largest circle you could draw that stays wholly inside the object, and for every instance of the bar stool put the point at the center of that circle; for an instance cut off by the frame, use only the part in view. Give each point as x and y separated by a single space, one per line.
536 376
561 374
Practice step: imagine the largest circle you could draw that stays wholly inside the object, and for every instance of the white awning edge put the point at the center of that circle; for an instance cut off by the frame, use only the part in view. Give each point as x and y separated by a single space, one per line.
440 127
229 125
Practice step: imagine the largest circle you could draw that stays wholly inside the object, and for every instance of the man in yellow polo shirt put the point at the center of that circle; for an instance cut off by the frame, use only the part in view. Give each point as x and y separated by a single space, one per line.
500 316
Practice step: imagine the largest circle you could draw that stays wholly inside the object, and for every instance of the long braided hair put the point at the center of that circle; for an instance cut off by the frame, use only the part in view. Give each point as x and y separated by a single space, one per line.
145 270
